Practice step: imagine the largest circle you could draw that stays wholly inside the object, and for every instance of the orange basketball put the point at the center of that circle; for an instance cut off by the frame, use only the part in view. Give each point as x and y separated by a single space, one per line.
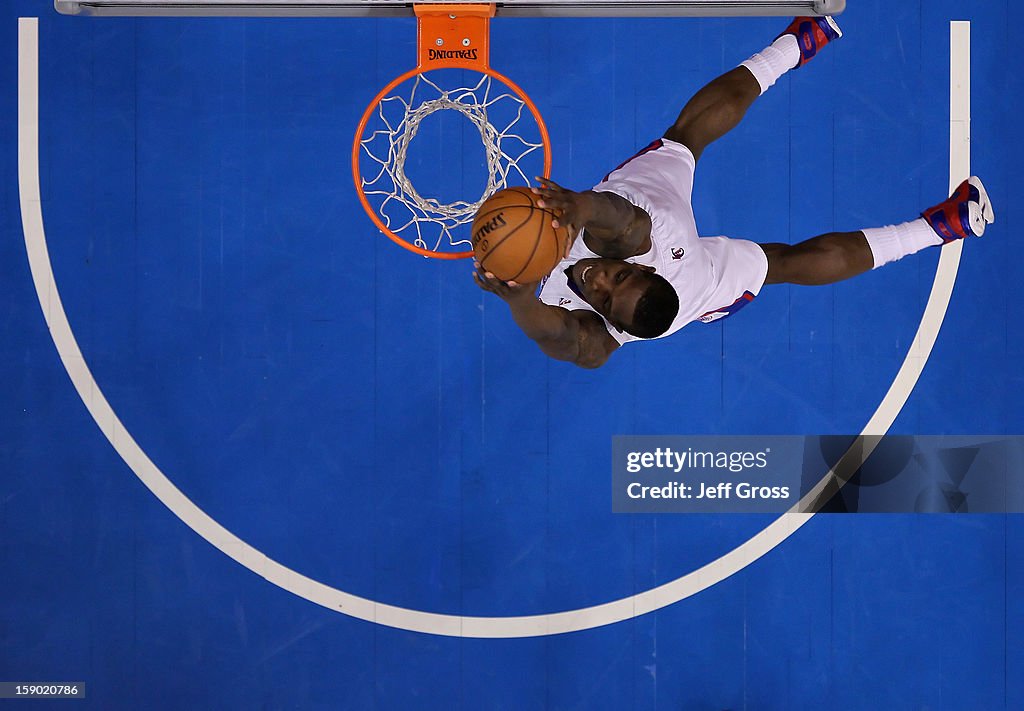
513 237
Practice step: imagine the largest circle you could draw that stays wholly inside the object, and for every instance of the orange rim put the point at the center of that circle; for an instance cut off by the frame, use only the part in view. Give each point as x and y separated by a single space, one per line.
357 173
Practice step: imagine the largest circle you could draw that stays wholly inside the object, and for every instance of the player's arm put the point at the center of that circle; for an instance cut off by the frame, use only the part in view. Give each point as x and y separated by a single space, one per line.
579 337
616 228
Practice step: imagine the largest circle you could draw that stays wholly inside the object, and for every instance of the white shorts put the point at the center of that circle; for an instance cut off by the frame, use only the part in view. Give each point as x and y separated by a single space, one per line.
742 267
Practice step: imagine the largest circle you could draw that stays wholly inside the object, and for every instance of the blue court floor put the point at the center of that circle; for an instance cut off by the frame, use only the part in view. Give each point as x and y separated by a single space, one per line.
358 420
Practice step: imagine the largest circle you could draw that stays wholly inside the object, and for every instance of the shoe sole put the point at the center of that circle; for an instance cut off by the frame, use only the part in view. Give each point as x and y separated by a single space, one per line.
834 25
981 212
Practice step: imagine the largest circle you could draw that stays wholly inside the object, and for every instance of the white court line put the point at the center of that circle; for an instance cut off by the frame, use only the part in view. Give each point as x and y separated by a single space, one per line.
417 620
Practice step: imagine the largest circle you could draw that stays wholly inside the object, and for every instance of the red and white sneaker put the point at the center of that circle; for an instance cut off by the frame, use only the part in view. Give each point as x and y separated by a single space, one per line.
812 33
965 213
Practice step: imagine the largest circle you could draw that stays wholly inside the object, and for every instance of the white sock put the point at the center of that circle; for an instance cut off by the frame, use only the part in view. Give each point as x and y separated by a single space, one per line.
773 61
897 241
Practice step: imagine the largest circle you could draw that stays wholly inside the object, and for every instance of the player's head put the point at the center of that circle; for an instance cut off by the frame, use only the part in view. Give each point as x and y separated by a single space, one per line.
631 297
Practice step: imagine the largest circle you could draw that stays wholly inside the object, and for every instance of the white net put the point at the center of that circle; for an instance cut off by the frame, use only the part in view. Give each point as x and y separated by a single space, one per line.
512 151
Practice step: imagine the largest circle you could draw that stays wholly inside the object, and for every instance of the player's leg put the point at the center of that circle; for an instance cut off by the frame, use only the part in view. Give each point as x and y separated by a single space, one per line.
836 256
824 259
718 107
714 110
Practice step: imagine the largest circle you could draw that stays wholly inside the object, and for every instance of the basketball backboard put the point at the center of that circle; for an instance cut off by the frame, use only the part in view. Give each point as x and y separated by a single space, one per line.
398 8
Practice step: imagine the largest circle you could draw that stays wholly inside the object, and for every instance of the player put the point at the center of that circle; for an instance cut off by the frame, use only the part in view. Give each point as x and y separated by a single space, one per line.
641 271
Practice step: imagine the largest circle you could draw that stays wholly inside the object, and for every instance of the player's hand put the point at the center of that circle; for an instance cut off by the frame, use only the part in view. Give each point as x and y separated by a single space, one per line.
507 290
569 207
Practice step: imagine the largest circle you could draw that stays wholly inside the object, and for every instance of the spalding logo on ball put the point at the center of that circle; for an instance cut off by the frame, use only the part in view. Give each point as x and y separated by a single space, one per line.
479 243
513 238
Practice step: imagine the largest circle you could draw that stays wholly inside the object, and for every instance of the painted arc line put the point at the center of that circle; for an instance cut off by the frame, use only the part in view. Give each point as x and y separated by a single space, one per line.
429 622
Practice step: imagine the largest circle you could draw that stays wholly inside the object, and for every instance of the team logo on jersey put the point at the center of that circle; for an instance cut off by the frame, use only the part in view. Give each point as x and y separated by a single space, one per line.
563 301
677 253
713 316
729 310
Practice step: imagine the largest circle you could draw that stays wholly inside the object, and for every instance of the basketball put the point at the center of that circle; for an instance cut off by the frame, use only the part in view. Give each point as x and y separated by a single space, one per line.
513 237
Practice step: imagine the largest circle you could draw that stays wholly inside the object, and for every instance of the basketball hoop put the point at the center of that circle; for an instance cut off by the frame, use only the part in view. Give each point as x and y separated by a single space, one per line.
449 38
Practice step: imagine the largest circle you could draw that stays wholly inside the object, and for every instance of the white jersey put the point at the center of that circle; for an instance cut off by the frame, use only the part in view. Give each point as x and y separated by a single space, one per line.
713 276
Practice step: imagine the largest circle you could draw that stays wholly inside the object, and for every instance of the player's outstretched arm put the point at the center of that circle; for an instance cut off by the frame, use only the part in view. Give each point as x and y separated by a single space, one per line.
578 337
616 228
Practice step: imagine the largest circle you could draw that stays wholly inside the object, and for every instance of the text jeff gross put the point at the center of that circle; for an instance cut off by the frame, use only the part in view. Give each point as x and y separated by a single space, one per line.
721 490
665 458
